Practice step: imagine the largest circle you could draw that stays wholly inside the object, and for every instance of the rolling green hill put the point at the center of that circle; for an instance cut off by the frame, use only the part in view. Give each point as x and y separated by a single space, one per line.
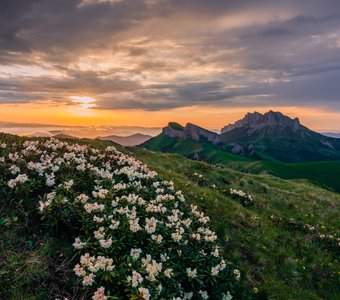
199 150
284 241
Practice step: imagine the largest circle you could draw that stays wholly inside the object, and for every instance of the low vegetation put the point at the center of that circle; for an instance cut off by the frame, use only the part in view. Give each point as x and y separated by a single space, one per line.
286 242
134 235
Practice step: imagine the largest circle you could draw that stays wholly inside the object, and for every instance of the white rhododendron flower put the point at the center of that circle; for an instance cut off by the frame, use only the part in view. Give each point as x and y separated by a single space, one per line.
168 273
188 295
88 279
19 179
78 244
135 253
80 271
191 273
144 293
227 296
99 294
237 274
106 243
82 198
204 294
246 198
135 279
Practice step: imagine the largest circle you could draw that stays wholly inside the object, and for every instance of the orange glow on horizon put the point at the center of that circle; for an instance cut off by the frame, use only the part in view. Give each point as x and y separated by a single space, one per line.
78 114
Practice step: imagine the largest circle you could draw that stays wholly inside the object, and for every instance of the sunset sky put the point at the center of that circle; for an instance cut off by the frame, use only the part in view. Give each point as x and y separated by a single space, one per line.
134 62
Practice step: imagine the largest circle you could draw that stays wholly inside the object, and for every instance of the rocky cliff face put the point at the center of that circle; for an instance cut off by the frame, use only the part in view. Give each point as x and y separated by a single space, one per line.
274 136
196 133
191 132
256 120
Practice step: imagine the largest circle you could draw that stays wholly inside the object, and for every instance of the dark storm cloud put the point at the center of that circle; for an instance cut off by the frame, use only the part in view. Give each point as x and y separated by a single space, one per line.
168 96
172 53
59 29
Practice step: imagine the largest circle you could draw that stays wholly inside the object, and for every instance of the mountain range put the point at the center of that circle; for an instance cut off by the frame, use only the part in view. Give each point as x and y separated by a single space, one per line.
130 140
271 136
332 134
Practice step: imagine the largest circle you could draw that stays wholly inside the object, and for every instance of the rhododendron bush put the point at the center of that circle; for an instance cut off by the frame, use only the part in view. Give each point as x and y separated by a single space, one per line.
135 236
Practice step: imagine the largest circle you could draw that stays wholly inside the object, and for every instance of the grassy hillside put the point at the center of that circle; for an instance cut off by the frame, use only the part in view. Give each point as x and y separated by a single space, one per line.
284 242
325 173
201 150
270 240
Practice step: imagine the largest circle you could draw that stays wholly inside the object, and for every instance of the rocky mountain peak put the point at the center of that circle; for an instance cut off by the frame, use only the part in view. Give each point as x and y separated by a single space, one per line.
191 132
173 130
257 120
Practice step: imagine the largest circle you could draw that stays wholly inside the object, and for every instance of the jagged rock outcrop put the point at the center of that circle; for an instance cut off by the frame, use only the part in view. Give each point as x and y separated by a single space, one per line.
274 136
191 132
174 130
257 120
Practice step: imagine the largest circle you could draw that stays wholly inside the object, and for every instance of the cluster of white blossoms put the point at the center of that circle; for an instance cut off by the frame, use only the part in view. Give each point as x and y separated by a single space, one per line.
247 198
138 238
21 178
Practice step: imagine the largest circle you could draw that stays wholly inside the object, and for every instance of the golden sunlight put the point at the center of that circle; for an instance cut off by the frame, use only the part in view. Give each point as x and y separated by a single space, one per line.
84 102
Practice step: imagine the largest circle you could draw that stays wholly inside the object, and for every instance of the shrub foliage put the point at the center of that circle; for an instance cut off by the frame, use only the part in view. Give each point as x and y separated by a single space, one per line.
134 235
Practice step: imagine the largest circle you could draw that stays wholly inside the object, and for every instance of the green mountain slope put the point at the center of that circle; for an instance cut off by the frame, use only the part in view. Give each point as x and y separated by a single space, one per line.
323 173
283 144
326 173
270 239
200 150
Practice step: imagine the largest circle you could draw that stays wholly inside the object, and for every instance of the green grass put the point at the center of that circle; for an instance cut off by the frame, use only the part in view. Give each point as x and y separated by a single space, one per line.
280 258
201 150
35 263
325 173
176 126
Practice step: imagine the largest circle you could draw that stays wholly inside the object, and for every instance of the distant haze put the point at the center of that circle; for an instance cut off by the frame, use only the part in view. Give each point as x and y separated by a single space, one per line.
92 131
76 131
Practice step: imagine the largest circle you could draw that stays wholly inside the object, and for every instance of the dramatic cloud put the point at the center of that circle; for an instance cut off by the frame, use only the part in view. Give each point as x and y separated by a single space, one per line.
159 54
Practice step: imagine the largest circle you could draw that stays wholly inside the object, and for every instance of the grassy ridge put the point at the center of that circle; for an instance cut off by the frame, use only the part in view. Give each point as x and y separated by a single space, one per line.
202 150
282 259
